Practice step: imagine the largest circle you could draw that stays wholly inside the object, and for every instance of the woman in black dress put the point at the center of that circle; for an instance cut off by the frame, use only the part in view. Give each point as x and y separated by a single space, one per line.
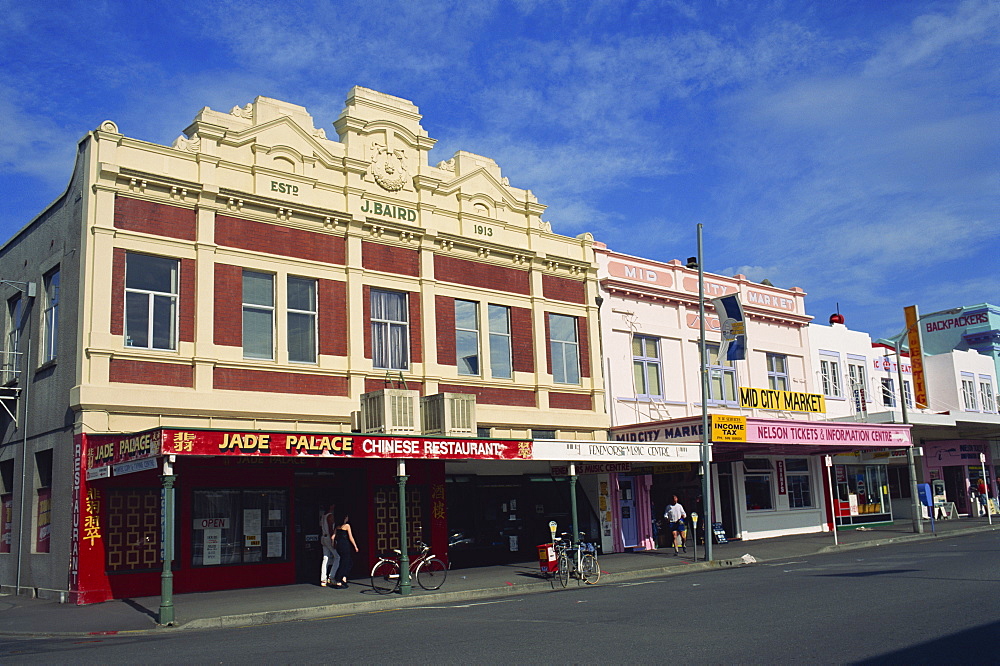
343 542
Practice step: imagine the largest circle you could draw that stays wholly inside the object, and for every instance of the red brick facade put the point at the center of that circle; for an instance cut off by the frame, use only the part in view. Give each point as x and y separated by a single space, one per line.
563 289
237 379
276 239
489 395
118 291
333 320
522 340
570 401
188 304
121 371
390 259
444 313
154 218
476 274
379 383
228 305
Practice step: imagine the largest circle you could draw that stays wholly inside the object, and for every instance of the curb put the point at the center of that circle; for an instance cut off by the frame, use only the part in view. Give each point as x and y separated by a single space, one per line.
387 604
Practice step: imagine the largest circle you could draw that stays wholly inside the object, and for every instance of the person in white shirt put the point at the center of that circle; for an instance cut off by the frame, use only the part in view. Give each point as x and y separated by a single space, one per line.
675 516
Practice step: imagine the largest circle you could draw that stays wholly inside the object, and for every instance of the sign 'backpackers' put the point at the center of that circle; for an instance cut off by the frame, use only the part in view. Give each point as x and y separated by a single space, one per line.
785 401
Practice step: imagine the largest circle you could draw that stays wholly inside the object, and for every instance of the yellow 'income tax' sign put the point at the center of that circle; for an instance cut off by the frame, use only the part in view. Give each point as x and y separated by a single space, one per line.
729 428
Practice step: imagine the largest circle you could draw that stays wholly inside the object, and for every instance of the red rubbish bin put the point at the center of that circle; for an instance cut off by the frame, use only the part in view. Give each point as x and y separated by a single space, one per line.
547 562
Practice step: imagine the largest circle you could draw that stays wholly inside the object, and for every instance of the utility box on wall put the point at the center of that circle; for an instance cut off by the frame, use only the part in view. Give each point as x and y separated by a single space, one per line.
390 411
452 414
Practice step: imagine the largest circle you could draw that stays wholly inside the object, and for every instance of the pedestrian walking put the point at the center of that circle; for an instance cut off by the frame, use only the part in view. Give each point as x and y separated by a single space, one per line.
345 546
675 516
331 559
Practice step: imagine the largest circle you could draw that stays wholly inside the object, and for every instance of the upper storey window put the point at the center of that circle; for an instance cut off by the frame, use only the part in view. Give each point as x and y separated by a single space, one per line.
150 301
565 349
390 330
258 315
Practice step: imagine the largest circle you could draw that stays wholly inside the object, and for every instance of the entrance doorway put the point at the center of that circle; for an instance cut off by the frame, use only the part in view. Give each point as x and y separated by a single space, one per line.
315 490
727 500
629 517
956 487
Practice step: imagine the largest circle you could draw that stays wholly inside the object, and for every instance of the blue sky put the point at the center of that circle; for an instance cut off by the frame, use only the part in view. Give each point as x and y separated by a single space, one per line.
850 148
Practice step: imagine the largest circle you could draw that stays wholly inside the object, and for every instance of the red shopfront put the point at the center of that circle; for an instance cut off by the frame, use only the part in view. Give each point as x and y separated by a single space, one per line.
247 504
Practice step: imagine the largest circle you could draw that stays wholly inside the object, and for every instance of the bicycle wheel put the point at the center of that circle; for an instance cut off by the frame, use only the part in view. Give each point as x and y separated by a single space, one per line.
431 574
385 576
590 569
563 573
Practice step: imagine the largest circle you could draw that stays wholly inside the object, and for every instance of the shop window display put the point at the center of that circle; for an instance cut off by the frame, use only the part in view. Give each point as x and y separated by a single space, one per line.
239 527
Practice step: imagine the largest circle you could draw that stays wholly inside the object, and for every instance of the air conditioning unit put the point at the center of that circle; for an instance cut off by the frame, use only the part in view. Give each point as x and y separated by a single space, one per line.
390 411
451 414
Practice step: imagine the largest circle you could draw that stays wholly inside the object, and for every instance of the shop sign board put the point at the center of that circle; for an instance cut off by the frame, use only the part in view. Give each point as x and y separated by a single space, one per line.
593 468
335 445
727 428
104 450
134 466
786 401
677 431
791 432
572 450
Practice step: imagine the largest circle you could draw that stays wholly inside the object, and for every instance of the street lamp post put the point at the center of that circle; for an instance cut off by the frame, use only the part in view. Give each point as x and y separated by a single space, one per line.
911 463
706 451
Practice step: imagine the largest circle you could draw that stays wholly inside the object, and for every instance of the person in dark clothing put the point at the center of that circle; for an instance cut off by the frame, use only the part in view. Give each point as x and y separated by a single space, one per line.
343 542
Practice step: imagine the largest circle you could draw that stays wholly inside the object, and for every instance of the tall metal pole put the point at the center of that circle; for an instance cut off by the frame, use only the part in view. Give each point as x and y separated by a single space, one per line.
24 462
405 586
706 452
166 615
918 524
572 503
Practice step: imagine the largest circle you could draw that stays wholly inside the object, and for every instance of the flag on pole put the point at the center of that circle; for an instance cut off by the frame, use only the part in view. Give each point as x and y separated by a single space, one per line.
734 339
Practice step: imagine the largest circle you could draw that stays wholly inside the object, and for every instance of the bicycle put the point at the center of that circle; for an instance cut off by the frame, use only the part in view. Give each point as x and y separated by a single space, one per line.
576 560
429 571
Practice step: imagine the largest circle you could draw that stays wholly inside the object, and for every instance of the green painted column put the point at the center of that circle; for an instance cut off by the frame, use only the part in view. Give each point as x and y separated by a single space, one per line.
405 585
166 615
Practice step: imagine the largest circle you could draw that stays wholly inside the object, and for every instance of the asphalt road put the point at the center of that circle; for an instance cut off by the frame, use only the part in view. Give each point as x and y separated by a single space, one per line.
935 601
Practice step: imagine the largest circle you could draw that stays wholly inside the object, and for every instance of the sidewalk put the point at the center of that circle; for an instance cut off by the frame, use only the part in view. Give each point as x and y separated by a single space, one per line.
231 608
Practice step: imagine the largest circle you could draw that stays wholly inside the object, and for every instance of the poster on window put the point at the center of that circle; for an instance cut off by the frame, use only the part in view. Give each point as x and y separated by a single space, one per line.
212 546
251 528
274 544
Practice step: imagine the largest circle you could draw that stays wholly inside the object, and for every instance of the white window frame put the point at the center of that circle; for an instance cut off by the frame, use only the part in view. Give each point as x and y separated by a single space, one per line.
777 371
829 371
721 373
15 326
805 474
390 336
969 392
987 396
857 375
50 316
251 309
155 299
565 351
501 342
888 392
306 315
646 365
468 357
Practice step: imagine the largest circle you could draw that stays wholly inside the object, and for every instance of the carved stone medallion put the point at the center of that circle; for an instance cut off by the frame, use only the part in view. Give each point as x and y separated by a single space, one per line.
388 168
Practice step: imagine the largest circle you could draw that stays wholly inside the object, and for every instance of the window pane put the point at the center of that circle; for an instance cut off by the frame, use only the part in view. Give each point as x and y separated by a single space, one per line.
758 492
301 338
467 315
164 321
562 328
500 363
639 377
301 294
467 352
258 288
149 273
653 379
258 334
137 320
637 346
